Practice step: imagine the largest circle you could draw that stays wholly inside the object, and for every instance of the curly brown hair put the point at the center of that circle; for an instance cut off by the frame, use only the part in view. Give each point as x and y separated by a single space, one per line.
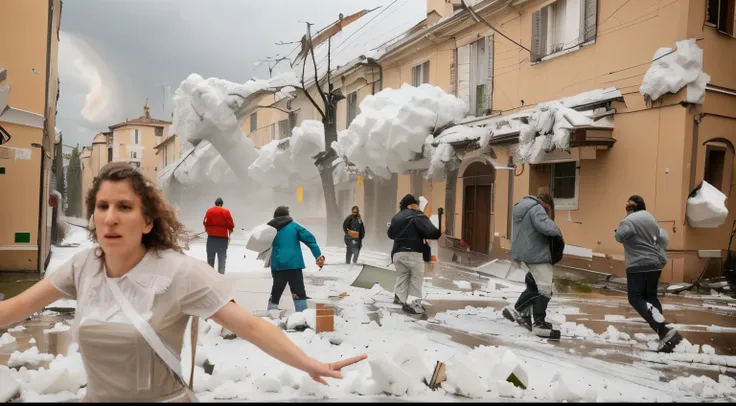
167 231
550 201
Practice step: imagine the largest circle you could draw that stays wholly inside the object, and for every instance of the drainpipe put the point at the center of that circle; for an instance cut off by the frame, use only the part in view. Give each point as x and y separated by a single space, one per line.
694 153
374 63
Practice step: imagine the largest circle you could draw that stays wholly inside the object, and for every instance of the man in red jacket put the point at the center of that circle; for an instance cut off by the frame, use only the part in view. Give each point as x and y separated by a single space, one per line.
218 223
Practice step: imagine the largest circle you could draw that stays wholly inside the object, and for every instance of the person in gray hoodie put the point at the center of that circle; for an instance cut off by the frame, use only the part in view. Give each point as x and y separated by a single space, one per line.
645 256
533 227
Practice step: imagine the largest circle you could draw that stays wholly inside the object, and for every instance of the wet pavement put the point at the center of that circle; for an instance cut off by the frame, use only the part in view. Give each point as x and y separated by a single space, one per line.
693 314
51 343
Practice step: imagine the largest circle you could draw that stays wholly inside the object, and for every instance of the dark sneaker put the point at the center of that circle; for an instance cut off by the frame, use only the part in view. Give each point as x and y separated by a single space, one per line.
542 328
525 321
510 314
412 309
670 341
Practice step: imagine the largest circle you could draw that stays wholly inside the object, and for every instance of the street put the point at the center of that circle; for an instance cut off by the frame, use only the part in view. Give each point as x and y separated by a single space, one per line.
603 355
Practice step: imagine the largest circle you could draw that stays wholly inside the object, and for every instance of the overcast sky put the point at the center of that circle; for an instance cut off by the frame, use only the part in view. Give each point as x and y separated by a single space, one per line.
114 54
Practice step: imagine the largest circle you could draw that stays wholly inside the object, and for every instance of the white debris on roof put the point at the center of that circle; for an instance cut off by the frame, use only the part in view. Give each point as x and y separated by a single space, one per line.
503 125
196 165
549 127
441 156
214 110
591 97
393 126
672 70
460 133
282 161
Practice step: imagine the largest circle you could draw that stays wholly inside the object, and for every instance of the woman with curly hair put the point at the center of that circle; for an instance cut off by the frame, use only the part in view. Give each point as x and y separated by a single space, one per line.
135 292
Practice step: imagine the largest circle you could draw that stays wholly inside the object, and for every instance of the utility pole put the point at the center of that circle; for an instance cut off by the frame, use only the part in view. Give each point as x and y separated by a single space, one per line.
271 63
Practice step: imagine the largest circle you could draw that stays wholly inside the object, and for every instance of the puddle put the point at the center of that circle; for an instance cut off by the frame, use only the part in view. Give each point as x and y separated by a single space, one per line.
567 285
51 343
12 284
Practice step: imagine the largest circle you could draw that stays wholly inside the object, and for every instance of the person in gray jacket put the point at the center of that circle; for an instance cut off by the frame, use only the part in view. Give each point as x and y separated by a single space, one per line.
533 226
644 251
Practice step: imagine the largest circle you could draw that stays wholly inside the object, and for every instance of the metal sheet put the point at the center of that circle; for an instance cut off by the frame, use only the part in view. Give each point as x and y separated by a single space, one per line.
370 275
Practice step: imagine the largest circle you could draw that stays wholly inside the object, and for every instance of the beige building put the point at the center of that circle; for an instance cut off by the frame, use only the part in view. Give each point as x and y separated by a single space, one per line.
168 151
135 141
660 150
28 94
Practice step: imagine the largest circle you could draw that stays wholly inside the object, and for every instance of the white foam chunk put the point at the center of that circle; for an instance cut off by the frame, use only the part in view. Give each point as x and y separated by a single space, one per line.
707 209
6 339
388 376
30 356
409 359
9 387
509 365
295 320
268 384
672 70
464 378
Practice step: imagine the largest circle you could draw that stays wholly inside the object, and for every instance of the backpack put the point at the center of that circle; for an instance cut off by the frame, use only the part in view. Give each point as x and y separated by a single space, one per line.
556 248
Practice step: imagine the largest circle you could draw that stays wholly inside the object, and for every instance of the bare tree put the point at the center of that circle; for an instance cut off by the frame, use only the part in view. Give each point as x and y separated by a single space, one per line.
329 98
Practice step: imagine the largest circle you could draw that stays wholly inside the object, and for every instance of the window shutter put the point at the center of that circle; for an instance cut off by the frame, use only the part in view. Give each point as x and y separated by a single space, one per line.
539 34
490 49
425 72
463 73
453 72
591 20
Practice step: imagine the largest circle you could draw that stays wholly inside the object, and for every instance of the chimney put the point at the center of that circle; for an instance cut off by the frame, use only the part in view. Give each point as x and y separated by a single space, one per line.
443 8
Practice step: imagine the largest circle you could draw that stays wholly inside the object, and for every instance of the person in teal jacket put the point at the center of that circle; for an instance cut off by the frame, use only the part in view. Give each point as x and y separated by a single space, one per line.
287 261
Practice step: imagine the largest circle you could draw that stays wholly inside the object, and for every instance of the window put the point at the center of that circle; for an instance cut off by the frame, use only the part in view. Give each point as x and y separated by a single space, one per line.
715 164
353 107
420 74
109 154
253 122
721 13
133 155
563 25
159 131
565 185
136 140
481 70
284 130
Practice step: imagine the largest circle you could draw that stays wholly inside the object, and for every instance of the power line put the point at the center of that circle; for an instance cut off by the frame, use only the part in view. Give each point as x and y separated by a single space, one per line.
365 25
478 18
334 53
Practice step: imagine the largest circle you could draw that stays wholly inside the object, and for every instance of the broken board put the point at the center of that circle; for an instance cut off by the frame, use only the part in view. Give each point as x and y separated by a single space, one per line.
438 376
370 275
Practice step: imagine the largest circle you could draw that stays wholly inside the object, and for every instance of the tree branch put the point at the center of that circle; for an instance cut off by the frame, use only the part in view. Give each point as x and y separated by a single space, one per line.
274 107
329 84
306 91
316 75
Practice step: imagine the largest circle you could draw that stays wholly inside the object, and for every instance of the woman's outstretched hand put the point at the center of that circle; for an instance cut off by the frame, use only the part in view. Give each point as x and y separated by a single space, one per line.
332 370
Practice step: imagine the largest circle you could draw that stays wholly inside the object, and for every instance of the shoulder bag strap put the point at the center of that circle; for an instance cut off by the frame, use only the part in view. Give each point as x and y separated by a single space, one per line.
193 342
166 353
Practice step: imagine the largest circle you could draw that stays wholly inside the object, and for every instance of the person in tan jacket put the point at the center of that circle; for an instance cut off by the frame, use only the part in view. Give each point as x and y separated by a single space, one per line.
138 274
354 230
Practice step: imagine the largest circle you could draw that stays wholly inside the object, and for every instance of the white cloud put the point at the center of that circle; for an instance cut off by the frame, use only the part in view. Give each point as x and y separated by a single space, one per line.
82 68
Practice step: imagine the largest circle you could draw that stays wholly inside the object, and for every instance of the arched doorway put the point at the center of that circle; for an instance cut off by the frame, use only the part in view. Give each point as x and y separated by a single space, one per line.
478 181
